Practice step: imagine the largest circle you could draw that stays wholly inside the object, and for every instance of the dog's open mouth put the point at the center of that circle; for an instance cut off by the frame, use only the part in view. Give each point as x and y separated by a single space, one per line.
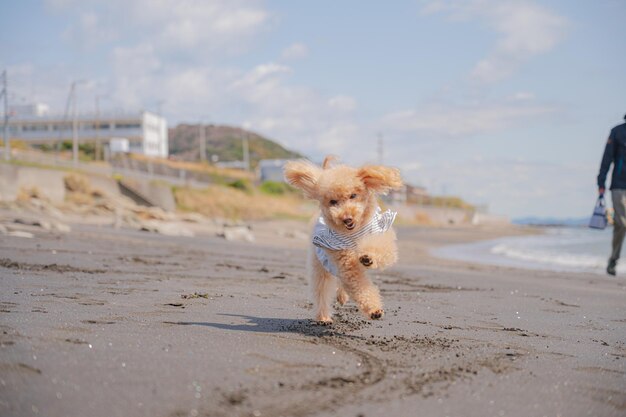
350 225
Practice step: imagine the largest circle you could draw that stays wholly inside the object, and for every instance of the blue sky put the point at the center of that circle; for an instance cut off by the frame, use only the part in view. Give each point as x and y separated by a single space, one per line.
505 103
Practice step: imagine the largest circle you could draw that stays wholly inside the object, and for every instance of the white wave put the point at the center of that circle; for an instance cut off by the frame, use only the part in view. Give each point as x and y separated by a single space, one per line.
565 249
543 256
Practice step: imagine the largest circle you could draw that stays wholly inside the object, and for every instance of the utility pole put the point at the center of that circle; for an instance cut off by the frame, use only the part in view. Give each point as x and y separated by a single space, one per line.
74 127
5 129
246 152
97 156
98 144
202 143
74 123
63 125
380 148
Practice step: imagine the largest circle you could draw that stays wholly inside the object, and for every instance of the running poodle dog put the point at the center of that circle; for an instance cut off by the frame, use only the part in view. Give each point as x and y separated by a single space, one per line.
351 235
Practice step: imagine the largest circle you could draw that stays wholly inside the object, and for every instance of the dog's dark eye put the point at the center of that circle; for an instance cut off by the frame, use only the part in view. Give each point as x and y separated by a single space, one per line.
352 196
333 202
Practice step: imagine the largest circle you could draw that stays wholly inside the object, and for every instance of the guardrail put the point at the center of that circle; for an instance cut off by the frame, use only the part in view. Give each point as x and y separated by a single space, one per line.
135 169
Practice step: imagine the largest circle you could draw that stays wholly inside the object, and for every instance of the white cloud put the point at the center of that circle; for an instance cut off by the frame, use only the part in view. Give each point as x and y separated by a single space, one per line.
461 120
171 51
525 29
187 93
88 21
295 51
190 24
88 31
297 116
182 25
29 83
514 187
262 77
337 139
408 167
133 74
342 103
136 60
510 186
59 4
522 96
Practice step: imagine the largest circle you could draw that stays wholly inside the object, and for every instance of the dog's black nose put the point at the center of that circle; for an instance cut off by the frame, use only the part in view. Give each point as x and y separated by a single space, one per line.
347 221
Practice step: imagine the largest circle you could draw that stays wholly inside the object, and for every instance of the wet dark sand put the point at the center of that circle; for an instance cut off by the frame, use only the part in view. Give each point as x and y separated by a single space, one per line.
101 322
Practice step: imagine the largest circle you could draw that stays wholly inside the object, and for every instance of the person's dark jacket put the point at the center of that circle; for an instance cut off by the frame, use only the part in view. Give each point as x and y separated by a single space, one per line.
615 152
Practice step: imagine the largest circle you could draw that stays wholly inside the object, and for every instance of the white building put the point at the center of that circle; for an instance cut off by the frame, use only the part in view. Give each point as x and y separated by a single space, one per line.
271 170
35 109
146 132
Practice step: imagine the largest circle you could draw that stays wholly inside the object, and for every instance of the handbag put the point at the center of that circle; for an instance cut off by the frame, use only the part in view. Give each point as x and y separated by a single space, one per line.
598 218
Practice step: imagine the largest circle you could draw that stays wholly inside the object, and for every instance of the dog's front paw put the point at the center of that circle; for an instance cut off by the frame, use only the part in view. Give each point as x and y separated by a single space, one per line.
366 261
377 314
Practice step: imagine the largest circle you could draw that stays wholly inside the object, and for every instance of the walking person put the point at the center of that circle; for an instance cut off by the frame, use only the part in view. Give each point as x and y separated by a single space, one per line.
615 153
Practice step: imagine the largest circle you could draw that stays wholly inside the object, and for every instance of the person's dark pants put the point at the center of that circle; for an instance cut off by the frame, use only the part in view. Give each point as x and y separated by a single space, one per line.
619 226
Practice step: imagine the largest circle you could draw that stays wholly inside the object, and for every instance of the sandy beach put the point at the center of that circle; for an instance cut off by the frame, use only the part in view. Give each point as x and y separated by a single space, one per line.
105 322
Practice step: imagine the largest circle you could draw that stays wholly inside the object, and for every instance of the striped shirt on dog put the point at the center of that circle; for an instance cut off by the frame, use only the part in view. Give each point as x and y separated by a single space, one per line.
325 238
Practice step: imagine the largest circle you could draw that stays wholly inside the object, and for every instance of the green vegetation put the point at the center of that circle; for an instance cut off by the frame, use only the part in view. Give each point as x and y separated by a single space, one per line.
86 151
276 188
241 184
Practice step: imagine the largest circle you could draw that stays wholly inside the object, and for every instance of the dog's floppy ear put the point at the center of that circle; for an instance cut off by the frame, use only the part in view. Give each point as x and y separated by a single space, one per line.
379 178
303 174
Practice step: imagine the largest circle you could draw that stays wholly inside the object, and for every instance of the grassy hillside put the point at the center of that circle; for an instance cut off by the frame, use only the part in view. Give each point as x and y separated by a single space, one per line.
241 200
225 142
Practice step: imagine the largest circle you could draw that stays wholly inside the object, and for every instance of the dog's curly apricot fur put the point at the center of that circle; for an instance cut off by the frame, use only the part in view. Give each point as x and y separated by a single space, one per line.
347 199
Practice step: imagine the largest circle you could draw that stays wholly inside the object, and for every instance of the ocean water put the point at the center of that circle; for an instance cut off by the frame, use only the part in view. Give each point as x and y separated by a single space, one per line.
558 249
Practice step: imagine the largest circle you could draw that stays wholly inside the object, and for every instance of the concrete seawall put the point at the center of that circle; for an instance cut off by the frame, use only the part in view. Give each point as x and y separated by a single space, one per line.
148 193
48 182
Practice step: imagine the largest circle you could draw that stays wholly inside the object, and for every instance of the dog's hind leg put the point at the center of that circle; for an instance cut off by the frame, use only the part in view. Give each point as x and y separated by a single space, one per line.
342 295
